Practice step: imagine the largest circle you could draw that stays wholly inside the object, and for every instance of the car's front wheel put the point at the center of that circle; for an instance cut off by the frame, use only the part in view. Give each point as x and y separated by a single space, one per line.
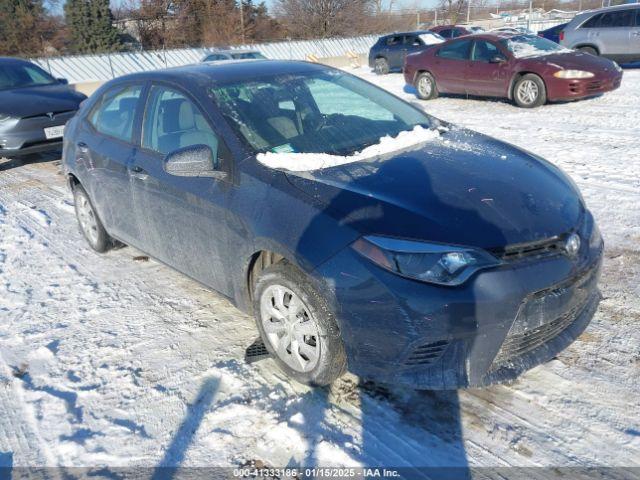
297 326
89 221
529 91
381 66
426 86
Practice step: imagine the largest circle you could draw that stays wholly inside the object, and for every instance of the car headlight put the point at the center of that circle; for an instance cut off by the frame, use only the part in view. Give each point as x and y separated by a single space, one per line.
595 241
572 74
5 118
427 262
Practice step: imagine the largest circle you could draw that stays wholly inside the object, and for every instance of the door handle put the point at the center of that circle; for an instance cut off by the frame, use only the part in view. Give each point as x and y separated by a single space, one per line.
83 147
139 172
138 169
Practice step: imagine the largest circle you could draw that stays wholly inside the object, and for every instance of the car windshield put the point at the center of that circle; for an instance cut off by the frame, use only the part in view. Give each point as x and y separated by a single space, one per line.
247 55
327 112
20 76
531 46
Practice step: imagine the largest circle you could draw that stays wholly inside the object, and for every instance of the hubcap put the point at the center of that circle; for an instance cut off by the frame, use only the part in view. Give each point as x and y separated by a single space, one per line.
380 66
424 86
290 328
528 92
87 218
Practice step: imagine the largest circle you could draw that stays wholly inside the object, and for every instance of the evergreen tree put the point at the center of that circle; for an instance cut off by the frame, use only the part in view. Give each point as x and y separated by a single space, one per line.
20 27
91 26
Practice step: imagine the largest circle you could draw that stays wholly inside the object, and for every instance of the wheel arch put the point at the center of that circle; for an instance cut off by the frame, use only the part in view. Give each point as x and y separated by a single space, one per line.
590 45
519 75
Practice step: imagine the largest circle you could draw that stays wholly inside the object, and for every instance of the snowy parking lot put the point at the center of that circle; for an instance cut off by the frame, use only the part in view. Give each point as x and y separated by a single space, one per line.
117 360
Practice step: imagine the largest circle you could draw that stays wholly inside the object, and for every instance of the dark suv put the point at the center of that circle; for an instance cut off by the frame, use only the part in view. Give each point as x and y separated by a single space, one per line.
389 52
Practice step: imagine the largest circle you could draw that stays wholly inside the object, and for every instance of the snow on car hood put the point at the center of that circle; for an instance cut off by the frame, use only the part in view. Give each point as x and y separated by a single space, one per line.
302 162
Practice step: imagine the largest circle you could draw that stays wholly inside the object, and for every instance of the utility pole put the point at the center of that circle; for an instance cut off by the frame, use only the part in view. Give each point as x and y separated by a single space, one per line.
530 14
435 16
497 7
468 11
417 19
242 21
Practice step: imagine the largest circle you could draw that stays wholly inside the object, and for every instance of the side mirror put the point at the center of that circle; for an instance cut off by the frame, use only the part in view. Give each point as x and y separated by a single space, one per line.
63 81
497 59
191 161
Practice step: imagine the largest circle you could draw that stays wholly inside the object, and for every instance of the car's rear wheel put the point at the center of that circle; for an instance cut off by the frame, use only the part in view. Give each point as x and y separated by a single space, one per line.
426 86
529 91
381 66
89 221
589 50
297 326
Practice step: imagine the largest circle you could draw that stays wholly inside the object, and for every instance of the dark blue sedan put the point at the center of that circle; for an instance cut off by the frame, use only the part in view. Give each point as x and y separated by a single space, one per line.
388 243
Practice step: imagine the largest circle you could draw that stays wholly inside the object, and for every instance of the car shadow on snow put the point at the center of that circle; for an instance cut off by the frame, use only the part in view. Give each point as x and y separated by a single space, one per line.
422 430
11 163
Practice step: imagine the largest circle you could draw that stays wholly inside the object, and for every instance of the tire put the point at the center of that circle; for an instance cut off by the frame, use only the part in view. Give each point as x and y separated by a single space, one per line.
89 222
589 50
381 66
426 86
529 91
317 357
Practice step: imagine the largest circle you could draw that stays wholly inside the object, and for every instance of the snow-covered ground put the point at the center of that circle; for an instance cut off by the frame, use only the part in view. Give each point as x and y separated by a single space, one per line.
118 361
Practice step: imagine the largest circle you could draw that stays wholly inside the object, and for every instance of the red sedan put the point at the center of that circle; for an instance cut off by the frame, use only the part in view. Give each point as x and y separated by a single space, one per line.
525 68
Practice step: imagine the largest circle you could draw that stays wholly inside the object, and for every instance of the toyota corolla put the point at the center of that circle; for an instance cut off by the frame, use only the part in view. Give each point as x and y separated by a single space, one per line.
362 233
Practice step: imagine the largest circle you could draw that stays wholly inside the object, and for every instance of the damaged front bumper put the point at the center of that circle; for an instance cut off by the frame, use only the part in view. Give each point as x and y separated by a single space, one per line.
493 328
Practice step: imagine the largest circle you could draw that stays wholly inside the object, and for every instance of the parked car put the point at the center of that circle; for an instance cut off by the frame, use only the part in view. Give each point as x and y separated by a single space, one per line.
34 108
553 33
514 30
452 31
525 68
423 263
389 51
613 32
226 55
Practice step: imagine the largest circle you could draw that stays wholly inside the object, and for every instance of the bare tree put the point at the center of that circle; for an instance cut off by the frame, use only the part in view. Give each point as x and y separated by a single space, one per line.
324 18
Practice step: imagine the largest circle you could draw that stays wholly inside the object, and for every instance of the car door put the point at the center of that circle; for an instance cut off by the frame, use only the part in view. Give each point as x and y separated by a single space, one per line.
394 51
413 44
613 32
105 147
634 38
488 70
450 65
184 219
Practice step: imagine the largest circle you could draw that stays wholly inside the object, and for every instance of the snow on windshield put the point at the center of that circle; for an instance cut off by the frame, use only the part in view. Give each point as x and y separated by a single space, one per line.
535 48
431 39
299 162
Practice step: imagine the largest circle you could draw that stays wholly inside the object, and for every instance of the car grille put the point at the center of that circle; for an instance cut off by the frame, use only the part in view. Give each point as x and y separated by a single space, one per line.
542 248
54 114
594 86
532 327
427 353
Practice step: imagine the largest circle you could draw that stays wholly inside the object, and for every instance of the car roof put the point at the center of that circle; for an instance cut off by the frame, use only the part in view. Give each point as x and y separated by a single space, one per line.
415 32
491 36
14 61
231 51
223 72
624 6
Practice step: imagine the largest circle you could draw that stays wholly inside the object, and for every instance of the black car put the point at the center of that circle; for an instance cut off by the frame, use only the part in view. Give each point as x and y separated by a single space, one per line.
34 108
362 233
389 52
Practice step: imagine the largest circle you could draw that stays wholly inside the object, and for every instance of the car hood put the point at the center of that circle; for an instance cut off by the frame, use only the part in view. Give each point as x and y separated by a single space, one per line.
465 189
29 101
575 61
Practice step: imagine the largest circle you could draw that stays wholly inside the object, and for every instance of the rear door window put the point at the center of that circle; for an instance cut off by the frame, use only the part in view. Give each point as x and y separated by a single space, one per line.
616 19
115 112
394 41
484 51
446 33
456 51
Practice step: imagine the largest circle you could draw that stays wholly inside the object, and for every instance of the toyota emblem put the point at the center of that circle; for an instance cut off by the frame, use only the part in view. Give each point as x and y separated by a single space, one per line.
572 245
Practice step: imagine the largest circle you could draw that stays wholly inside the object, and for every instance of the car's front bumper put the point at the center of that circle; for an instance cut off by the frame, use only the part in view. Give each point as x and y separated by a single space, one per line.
26 135
559 89
491 329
